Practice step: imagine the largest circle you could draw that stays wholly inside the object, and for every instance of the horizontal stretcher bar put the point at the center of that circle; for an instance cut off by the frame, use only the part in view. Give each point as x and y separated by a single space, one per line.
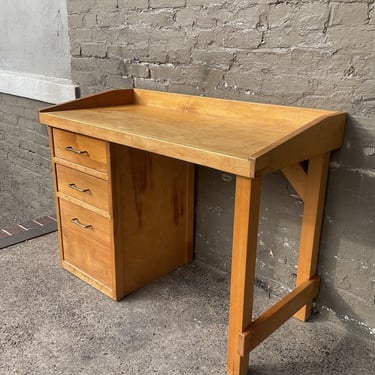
273 318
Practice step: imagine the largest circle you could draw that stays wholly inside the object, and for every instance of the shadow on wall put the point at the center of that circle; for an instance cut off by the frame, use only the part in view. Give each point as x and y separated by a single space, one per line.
347 251
346 258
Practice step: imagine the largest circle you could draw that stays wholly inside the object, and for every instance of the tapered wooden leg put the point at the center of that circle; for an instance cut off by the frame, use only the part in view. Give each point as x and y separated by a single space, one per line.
311 225
246 215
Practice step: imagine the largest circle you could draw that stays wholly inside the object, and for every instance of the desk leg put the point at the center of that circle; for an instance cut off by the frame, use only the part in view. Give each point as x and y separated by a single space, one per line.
311 225
245 230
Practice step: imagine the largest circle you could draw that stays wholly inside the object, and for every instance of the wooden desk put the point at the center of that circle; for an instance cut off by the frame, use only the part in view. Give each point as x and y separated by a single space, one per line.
123 172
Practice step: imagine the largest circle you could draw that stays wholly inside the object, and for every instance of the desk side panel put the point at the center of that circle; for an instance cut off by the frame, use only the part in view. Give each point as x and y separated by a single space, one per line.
153 216
105 99
321 136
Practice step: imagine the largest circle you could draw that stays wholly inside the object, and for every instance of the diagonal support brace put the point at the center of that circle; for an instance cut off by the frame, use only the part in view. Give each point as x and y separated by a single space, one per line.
297 177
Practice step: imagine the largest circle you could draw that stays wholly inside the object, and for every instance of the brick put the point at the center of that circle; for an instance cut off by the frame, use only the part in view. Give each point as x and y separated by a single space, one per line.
232 37
75 49
160 19
84 64
186 17
248 17
237 78
109 66
359 39
105 4
291 86
204 20
89 20
165 42
167 3
116 82
312 16
206 38
77 6
105 35
325 62
75 21
93 49
140 70
118 51
245 3
166 72
289 38
180 55
220 16
149 84
350 14
217 58
280 15
133 4
190 3
132 36
110 19
83 35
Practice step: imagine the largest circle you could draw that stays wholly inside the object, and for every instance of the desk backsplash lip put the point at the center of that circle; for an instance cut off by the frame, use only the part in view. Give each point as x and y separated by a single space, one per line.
115 97
325 132
106 98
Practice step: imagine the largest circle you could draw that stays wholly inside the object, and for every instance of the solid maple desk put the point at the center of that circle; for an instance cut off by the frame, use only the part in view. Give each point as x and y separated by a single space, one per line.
137 148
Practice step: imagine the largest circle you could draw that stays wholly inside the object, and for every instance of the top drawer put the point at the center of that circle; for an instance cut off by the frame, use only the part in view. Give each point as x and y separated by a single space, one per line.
81 149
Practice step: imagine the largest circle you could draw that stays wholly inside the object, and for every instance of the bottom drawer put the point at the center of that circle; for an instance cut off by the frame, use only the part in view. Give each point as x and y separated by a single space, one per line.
86 242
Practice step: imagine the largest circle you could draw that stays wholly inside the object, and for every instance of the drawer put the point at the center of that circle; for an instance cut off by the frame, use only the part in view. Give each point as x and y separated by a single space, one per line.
86 242
80 149
89 189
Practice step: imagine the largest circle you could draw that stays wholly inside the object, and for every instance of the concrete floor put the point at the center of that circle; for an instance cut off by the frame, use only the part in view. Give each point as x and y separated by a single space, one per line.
53 323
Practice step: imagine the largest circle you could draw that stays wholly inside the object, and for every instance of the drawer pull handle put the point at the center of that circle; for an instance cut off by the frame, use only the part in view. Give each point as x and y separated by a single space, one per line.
77 188
77 222
79 152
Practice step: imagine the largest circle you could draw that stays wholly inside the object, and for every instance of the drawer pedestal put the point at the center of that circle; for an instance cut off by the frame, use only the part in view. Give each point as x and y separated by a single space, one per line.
125 215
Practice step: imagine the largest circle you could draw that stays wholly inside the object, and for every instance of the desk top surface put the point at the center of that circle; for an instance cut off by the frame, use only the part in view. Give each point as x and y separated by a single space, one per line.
243 138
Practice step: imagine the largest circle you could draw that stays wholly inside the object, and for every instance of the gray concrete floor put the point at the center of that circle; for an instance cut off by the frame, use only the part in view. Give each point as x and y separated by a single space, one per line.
53 323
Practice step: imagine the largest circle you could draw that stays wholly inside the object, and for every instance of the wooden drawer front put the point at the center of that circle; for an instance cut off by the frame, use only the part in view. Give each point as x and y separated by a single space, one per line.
87 248
81 149
86 188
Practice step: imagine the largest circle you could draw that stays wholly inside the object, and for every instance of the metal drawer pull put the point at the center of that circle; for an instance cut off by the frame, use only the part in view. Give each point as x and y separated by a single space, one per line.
77 188
79 152
77 222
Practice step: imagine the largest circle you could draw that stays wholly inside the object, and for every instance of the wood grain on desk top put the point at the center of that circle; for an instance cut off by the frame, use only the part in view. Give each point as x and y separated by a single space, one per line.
243 138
